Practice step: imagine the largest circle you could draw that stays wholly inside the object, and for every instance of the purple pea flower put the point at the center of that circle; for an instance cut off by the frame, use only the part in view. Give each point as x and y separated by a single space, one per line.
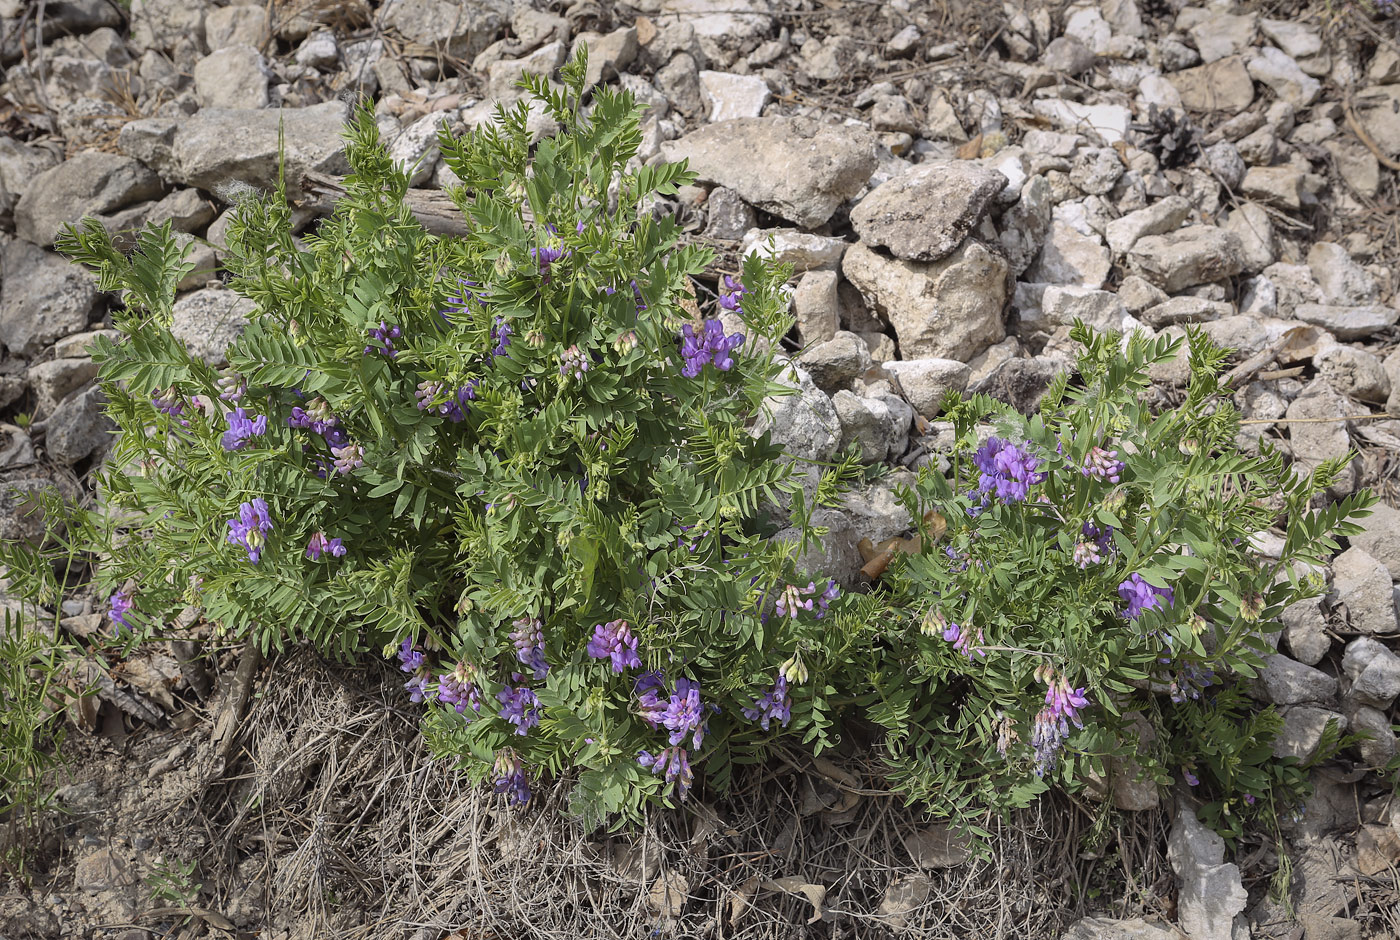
528 639
233 387
511 778
1141 596
457 303
546 256
319 543
251 527
614 640
458 689
732 294
411 658
118 605
519 706
168 402
674 764
775 705
383 335
1190 778
1007 470
708 347
1102 465
241 429
417 688
682 714
500 335
573 361
348 458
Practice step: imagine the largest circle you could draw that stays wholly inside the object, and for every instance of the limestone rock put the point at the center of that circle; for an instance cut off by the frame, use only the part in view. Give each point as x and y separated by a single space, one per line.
803 250
1303 727
805 424
1070 257
834 363
208 320
1381 538
947 309
1348 323
1305 631
1286 682
924 382
42 297
91 183
807 170
217 147
459 30
816 306
1161 217
1197 254
730 96
1363 584
79 427
1224 85
236 76
925 213
1315 441
1210 891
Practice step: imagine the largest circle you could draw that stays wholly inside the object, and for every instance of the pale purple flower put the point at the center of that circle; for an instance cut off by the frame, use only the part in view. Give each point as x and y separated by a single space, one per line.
417 688
1007 470
348 458
411 658
1190 778
458 689
614 640
251 527
573 361
168 401
457 303
118 606
500 335
233 387
682 714
528 639
511 778
1102 465
732 294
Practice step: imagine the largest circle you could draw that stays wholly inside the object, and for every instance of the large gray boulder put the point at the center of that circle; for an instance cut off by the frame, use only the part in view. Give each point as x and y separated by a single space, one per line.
792 167
1197 254
218 147
945 309
1381 538
43 297
460 30
90 183
924 213
1363 584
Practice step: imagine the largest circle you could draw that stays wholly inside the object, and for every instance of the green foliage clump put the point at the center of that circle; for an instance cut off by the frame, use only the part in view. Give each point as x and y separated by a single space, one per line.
523 460
487 452
1102 621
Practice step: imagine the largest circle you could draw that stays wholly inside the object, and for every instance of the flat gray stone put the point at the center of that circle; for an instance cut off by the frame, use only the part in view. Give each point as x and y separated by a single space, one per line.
91 183
1363 584
1381 538
1197 254
217 147
79 427
925 213
208 320
806 170
43 297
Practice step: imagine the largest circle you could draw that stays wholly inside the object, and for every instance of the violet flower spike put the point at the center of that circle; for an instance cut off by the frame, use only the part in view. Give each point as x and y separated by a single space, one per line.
411 658
1141 596
674 764
251 527
614 641
511 778
775 705
319 544
519 706
241 429
118 606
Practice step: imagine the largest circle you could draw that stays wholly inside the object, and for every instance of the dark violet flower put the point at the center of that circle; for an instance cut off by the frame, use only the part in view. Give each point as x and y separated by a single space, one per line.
511 778
614 640
528 639
383 335
319 543
1190 682
1190 778
775 705
319 419
411 658
433 397
500 336
674 764
118 605
732 293
458 689
649 682
682 714
1007 470
242 428
519 706
637 299
708 347
251 527
1141 596
1103 465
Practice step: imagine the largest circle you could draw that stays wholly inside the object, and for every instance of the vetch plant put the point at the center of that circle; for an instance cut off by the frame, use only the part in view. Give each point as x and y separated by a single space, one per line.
513 460
1096 604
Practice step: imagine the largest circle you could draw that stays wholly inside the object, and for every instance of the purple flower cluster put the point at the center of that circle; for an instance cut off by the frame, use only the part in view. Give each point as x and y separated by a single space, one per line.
348 458
458 689
1141 596
168 402
432 396
775 705
318 418
1190 682
674 764
519 705
242 428
457 303
118 605
500 335
793 599
545 257
1051 730
682 714
233 387
411 658
1095 545
732 294
1102 465
573 361
511 778
1007 470
709 347
318 544
528 639
383 335
964 642
251 527
614 640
